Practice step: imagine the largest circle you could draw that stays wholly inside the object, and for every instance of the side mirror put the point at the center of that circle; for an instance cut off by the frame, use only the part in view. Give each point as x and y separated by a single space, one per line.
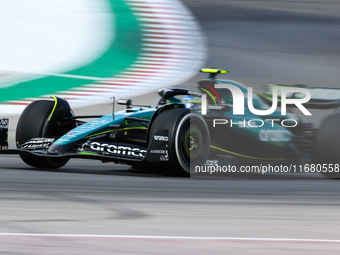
127 102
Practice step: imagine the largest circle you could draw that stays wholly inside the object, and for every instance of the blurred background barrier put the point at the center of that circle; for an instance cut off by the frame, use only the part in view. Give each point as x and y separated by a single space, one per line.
87 51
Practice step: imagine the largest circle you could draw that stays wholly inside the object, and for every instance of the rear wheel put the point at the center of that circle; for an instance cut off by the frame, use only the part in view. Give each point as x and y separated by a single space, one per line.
188 142
327 145
33 124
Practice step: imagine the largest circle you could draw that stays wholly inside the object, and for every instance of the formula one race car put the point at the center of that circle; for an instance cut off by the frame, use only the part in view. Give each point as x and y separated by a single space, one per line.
180 134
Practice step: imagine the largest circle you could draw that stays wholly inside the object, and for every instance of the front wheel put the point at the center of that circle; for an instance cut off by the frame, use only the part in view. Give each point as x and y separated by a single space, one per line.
188 142
32 124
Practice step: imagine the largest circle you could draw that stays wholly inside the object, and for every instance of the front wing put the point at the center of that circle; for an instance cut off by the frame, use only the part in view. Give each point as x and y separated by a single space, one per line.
155 151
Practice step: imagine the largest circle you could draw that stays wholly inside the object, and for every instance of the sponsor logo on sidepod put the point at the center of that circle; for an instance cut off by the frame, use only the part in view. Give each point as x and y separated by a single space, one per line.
120 150
161 138
275 135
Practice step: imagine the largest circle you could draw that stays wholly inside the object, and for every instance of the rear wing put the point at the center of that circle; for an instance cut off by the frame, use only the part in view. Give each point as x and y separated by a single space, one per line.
4 133
321 98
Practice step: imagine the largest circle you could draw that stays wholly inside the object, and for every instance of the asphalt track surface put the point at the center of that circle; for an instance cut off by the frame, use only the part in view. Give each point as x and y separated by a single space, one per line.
92 208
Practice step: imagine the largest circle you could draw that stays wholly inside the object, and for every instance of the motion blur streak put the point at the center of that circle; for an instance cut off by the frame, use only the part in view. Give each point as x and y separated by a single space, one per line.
176 237
137 47
160 244
90 246
86 199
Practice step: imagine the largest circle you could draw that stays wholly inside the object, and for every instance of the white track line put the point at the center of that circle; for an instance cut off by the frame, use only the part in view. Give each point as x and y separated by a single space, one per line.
176 237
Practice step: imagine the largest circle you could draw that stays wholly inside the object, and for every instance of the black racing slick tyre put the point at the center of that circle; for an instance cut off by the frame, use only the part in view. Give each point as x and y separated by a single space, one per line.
327 146
188 143
31 124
